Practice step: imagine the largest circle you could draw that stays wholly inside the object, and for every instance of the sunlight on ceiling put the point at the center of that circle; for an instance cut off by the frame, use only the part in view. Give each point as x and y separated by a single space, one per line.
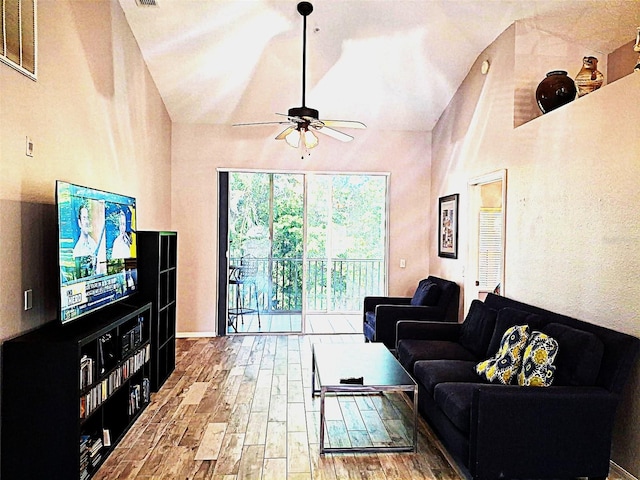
372 66
392 64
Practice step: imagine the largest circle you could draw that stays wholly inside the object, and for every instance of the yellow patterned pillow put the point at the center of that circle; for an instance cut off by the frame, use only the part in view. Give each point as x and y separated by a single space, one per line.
537 362
504 365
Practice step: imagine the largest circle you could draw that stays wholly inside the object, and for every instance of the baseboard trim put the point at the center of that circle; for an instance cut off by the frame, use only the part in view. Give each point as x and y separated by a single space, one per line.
621 472
195 334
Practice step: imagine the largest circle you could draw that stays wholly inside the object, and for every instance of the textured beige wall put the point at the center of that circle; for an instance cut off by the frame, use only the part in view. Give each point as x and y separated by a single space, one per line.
198 150
573 218
622 62
96 119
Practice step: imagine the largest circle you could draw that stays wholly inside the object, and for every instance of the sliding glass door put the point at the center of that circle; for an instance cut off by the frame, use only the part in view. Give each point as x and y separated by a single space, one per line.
302 250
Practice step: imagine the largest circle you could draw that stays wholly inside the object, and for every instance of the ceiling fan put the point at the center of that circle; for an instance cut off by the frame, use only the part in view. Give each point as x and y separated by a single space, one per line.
303 121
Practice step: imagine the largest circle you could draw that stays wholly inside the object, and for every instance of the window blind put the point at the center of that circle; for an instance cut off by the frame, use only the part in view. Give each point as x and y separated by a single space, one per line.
490 249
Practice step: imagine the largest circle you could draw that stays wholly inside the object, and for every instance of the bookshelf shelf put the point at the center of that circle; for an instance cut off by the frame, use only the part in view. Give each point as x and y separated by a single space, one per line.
71 392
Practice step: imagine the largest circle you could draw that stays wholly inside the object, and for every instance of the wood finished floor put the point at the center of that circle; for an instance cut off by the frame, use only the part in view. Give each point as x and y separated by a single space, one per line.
240 407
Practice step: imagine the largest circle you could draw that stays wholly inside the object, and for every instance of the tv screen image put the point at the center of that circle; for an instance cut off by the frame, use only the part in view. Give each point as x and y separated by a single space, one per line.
97 251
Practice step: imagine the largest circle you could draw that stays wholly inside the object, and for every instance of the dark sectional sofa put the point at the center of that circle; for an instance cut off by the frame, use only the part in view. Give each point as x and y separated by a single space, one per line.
497 431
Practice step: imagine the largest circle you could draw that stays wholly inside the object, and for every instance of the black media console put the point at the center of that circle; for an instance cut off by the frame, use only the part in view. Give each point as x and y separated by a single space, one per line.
71 392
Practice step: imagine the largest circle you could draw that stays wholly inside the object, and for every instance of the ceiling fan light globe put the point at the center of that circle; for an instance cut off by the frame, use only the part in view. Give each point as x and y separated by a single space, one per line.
310 140
293 139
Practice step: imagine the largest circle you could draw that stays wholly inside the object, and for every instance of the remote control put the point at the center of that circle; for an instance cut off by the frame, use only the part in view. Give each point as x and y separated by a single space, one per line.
352 380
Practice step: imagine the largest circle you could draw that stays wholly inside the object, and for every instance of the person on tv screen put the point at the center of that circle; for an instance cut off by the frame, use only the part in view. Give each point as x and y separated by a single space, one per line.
89 257
86 246
122 244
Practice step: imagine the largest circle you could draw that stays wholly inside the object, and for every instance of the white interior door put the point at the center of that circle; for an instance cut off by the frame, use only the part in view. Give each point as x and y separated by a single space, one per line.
487 233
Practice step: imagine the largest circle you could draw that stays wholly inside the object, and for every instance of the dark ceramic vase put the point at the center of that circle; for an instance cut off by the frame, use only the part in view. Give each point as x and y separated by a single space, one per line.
555 90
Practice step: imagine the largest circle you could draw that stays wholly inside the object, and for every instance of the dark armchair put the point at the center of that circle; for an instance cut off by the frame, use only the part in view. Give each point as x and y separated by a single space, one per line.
435 299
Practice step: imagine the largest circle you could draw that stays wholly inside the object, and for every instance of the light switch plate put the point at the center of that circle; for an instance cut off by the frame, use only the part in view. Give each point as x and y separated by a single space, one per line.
29 147
28 299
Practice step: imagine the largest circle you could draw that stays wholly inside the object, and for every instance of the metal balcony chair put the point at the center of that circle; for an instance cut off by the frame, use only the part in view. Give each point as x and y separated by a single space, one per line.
243 275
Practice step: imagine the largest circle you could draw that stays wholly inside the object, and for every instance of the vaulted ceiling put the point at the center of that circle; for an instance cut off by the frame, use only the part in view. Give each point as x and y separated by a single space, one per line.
392 64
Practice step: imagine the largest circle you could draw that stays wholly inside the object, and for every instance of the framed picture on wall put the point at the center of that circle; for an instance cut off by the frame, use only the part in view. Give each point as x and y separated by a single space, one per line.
448 226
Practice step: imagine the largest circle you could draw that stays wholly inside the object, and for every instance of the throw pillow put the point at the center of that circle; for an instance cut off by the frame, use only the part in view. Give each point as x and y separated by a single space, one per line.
427 294
537 362
504 365
477 328
507 318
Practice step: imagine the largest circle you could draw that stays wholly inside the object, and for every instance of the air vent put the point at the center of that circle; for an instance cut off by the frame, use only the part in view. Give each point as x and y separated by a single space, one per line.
18 35
147 3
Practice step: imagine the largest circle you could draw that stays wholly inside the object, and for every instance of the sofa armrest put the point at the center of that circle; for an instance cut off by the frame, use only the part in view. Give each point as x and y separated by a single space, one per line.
371 302
428 330
387 316
537 432
407 312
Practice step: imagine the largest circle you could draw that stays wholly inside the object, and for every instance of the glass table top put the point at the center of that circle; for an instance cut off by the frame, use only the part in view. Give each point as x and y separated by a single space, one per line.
372 361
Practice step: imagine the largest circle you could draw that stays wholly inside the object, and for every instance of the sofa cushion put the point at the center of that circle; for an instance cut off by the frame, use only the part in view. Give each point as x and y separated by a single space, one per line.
478 328
427 294
537 367
430 373
507 318
504 365
455 399
410 351
579 355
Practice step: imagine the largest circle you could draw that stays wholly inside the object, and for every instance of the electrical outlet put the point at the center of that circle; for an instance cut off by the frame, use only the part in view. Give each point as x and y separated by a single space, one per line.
403 263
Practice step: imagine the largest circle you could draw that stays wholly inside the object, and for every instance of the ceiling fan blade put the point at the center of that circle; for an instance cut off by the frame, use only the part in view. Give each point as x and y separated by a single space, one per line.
343 137
258 123
285 132
344 124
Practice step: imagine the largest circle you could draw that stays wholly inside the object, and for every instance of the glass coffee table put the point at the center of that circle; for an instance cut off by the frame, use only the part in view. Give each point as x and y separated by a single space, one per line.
334 364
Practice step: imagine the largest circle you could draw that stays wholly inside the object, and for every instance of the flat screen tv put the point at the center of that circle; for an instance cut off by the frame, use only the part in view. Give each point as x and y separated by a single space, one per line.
96 249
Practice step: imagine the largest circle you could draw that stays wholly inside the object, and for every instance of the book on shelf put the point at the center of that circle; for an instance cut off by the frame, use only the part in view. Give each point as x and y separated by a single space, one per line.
96 445
146 390
84 456
90 454
134 399
86 371
106 437
92 400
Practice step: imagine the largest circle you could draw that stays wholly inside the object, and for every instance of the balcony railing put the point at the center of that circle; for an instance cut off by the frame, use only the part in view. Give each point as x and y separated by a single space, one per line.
278 282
